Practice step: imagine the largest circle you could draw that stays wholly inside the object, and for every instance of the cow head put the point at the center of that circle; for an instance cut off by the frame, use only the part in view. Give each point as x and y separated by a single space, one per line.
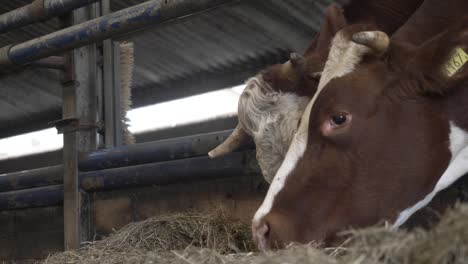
269 110
273 101
271 118
377 137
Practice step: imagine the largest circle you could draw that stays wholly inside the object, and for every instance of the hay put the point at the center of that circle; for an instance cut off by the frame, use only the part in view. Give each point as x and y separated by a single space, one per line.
170 232
197 239
447 242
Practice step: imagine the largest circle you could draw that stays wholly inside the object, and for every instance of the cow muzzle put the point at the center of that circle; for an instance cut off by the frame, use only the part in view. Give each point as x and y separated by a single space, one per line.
261 235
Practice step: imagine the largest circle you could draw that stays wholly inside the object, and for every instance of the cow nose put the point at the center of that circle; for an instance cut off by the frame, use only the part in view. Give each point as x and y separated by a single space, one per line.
261 234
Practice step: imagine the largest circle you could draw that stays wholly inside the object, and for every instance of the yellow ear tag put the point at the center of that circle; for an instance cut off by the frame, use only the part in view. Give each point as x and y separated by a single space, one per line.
457 59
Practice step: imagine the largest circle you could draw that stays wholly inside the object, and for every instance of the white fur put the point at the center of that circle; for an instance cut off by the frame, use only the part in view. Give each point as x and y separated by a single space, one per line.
294 154
457 167
343 57
271 118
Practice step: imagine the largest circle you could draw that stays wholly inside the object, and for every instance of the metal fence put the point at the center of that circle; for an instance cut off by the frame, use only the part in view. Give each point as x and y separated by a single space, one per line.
85 169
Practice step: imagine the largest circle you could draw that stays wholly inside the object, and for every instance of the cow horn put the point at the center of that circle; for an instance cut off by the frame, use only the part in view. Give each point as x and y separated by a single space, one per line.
376 40
233 142
297 60
316 75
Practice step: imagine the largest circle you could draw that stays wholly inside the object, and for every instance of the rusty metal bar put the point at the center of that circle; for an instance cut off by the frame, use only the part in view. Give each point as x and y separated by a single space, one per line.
114 24
53 62
29 198
238 164
38 10
79 124
170 172
112 102
150 152
31 178
138 154
111 88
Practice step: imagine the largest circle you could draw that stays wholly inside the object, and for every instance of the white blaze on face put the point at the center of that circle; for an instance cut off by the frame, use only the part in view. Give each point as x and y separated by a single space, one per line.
457 167
343 57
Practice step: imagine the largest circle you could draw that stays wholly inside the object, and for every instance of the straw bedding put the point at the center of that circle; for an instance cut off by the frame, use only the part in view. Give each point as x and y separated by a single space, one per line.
208 239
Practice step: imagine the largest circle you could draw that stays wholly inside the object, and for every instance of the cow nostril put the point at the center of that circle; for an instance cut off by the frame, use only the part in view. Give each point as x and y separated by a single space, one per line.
266 230
262 236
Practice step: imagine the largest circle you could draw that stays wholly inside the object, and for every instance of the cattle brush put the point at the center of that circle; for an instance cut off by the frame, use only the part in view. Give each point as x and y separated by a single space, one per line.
126 78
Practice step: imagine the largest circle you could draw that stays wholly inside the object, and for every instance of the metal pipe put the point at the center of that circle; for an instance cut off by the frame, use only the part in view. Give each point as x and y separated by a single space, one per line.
112 25
239 164
177 171
157 151
53 62
29 198
143 153
38 10
31 178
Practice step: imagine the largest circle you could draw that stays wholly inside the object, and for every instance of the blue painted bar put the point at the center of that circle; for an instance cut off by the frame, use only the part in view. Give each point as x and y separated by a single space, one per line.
157 151
58 7
29 198
238 164
161 155
38 10
170 172
31 178
112 25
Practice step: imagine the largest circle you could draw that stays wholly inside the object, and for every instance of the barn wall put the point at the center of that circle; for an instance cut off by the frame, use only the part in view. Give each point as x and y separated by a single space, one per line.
35 233
30 233
238 198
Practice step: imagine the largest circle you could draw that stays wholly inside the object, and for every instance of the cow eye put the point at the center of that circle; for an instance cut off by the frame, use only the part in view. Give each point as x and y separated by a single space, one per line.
335 123
339 119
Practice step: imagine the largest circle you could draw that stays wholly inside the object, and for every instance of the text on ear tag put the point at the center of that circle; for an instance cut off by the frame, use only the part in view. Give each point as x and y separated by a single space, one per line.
457 59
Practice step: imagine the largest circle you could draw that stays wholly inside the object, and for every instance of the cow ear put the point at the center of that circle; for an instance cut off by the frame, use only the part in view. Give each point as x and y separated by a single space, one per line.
441 64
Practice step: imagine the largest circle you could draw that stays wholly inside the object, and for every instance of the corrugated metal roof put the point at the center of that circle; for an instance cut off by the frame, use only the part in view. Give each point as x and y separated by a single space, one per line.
202 52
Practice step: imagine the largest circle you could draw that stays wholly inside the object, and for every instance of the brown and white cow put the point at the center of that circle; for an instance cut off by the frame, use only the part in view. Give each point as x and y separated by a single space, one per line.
385 132
273 101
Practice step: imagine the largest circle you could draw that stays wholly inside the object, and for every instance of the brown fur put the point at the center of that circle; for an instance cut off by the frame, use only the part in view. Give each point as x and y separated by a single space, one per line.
385 15
300 79
418 29
391 154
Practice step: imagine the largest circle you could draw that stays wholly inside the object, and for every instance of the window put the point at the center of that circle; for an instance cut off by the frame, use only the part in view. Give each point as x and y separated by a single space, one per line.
194 109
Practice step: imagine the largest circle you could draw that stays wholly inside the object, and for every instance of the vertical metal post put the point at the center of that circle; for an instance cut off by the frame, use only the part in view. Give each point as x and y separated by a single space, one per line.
80 127
118 129
112 113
